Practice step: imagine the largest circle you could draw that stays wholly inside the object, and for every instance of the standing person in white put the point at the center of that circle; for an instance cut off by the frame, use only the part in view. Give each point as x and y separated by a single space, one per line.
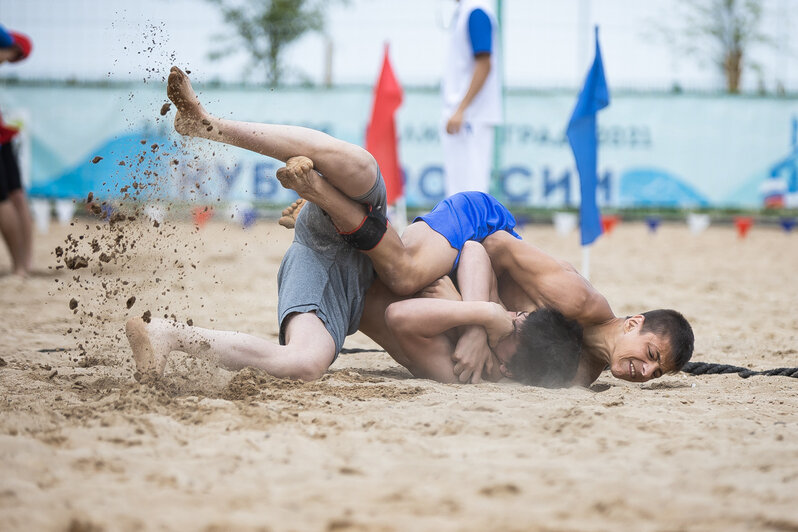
472 97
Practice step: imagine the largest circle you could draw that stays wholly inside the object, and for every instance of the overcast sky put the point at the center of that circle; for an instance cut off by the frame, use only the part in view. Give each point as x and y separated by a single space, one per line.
548 43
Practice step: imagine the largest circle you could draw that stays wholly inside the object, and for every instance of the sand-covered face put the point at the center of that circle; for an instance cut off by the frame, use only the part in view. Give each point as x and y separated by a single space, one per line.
640 356
506 348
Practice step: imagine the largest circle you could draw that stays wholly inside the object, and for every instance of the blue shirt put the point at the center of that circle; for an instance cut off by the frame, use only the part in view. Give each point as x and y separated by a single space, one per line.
479 29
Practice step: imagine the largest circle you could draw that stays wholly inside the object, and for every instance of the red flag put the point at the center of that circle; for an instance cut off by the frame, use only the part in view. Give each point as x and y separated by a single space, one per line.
381 139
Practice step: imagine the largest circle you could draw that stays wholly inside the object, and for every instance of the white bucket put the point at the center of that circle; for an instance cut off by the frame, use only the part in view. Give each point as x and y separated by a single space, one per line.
41 211
564 222
64 210
697 222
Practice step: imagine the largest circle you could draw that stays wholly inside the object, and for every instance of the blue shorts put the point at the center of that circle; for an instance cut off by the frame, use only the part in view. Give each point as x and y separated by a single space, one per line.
469 216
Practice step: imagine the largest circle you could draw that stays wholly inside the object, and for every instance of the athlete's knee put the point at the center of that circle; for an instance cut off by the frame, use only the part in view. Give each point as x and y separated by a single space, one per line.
310 366
311 372
366 164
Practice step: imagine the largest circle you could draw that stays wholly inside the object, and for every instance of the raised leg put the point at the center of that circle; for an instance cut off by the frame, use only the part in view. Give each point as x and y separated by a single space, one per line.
308 352
348 167
348 172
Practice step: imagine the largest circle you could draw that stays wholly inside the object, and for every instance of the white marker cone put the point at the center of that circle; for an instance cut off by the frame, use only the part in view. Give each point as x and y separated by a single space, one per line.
697 222
41 211
564 222
154 213
64 210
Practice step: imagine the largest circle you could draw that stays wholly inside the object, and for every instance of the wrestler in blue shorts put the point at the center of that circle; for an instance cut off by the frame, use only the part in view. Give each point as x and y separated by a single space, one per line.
469 216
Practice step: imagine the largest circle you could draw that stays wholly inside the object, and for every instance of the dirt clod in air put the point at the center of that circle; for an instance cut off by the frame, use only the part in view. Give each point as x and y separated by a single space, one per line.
147 316
116 218
73 304
77 262
131 301
96 159
165 108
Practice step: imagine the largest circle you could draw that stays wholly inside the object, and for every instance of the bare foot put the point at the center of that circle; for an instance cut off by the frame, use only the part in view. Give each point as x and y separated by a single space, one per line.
151 347
191 118
298 175
290 213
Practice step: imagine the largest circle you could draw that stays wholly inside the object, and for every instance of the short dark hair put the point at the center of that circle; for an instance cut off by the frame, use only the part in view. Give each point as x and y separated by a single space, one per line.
675 329
549 349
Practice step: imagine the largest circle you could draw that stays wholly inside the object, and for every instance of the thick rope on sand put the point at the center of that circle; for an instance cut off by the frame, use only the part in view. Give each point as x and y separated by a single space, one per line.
708 368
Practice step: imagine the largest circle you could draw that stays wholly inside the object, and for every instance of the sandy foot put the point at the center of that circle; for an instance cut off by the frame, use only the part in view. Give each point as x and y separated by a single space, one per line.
298 175
191 118
290 213
150 346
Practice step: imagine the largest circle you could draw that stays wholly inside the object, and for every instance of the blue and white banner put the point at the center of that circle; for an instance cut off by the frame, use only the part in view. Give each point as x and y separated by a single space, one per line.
668 150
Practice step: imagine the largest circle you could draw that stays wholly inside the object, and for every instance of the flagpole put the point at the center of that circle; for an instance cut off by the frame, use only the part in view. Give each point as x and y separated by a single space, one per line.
586 261
498 129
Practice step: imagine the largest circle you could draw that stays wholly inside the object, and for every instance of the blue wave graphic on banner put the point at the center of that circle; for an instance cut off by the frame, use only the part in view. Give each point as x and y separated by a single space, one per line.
655 187
142 163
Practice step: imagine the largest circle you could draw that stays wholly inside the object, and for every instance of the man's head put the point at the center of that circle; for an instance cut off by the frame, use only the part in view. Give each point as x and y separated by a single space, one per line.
19 50
548 351
652 344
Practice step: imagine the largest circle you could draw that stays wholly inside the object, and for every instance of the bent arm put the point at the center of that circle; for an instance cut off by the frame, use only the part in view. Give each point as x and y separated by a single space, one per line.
472 355
482 66
421 317
543 281
424 331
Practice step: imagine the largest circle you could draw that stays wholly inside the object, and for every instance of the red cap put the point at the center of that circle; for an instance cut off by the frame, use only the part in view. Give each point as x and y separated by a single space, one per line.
22 42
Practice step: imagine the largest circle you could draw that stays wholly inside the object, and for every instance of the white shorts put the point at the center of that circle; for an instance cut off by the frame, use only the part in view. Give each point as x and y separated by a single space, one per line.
468 158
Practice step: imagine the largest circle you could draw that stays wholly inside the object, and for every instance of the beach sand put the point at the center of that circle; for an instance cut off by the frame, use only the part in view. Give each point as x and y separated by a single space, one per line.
84 447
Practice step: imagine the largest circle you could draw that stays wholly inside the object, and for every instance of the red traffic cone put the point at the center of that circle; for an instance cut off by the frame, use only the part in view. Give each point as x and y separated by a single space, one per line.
743 224
608 222
201 215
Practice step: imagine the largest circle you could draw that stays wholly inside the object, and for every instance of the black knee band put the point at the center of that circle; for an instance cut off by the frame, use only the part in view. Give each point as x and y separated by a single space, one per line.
369 233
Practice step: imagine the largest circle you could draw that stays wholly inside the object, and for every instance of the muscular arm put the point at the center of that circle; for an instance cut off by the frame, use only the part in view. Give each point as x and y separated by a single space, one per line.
423 329
472 355
533 279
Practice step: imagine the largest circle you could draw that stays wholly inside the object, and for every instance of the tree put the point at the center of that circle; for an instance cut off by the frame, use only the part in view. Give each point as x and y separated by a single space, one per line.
722 31
267 27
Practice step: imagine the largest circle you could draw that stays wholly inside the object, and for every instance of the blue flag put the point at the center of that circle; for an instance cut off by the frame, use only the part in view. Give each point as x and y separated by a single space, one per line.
582 135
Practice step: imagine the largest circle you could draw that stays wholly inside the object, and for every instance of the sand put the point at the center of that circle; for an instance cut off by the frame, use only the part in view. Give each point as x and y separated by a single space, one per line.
85 447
